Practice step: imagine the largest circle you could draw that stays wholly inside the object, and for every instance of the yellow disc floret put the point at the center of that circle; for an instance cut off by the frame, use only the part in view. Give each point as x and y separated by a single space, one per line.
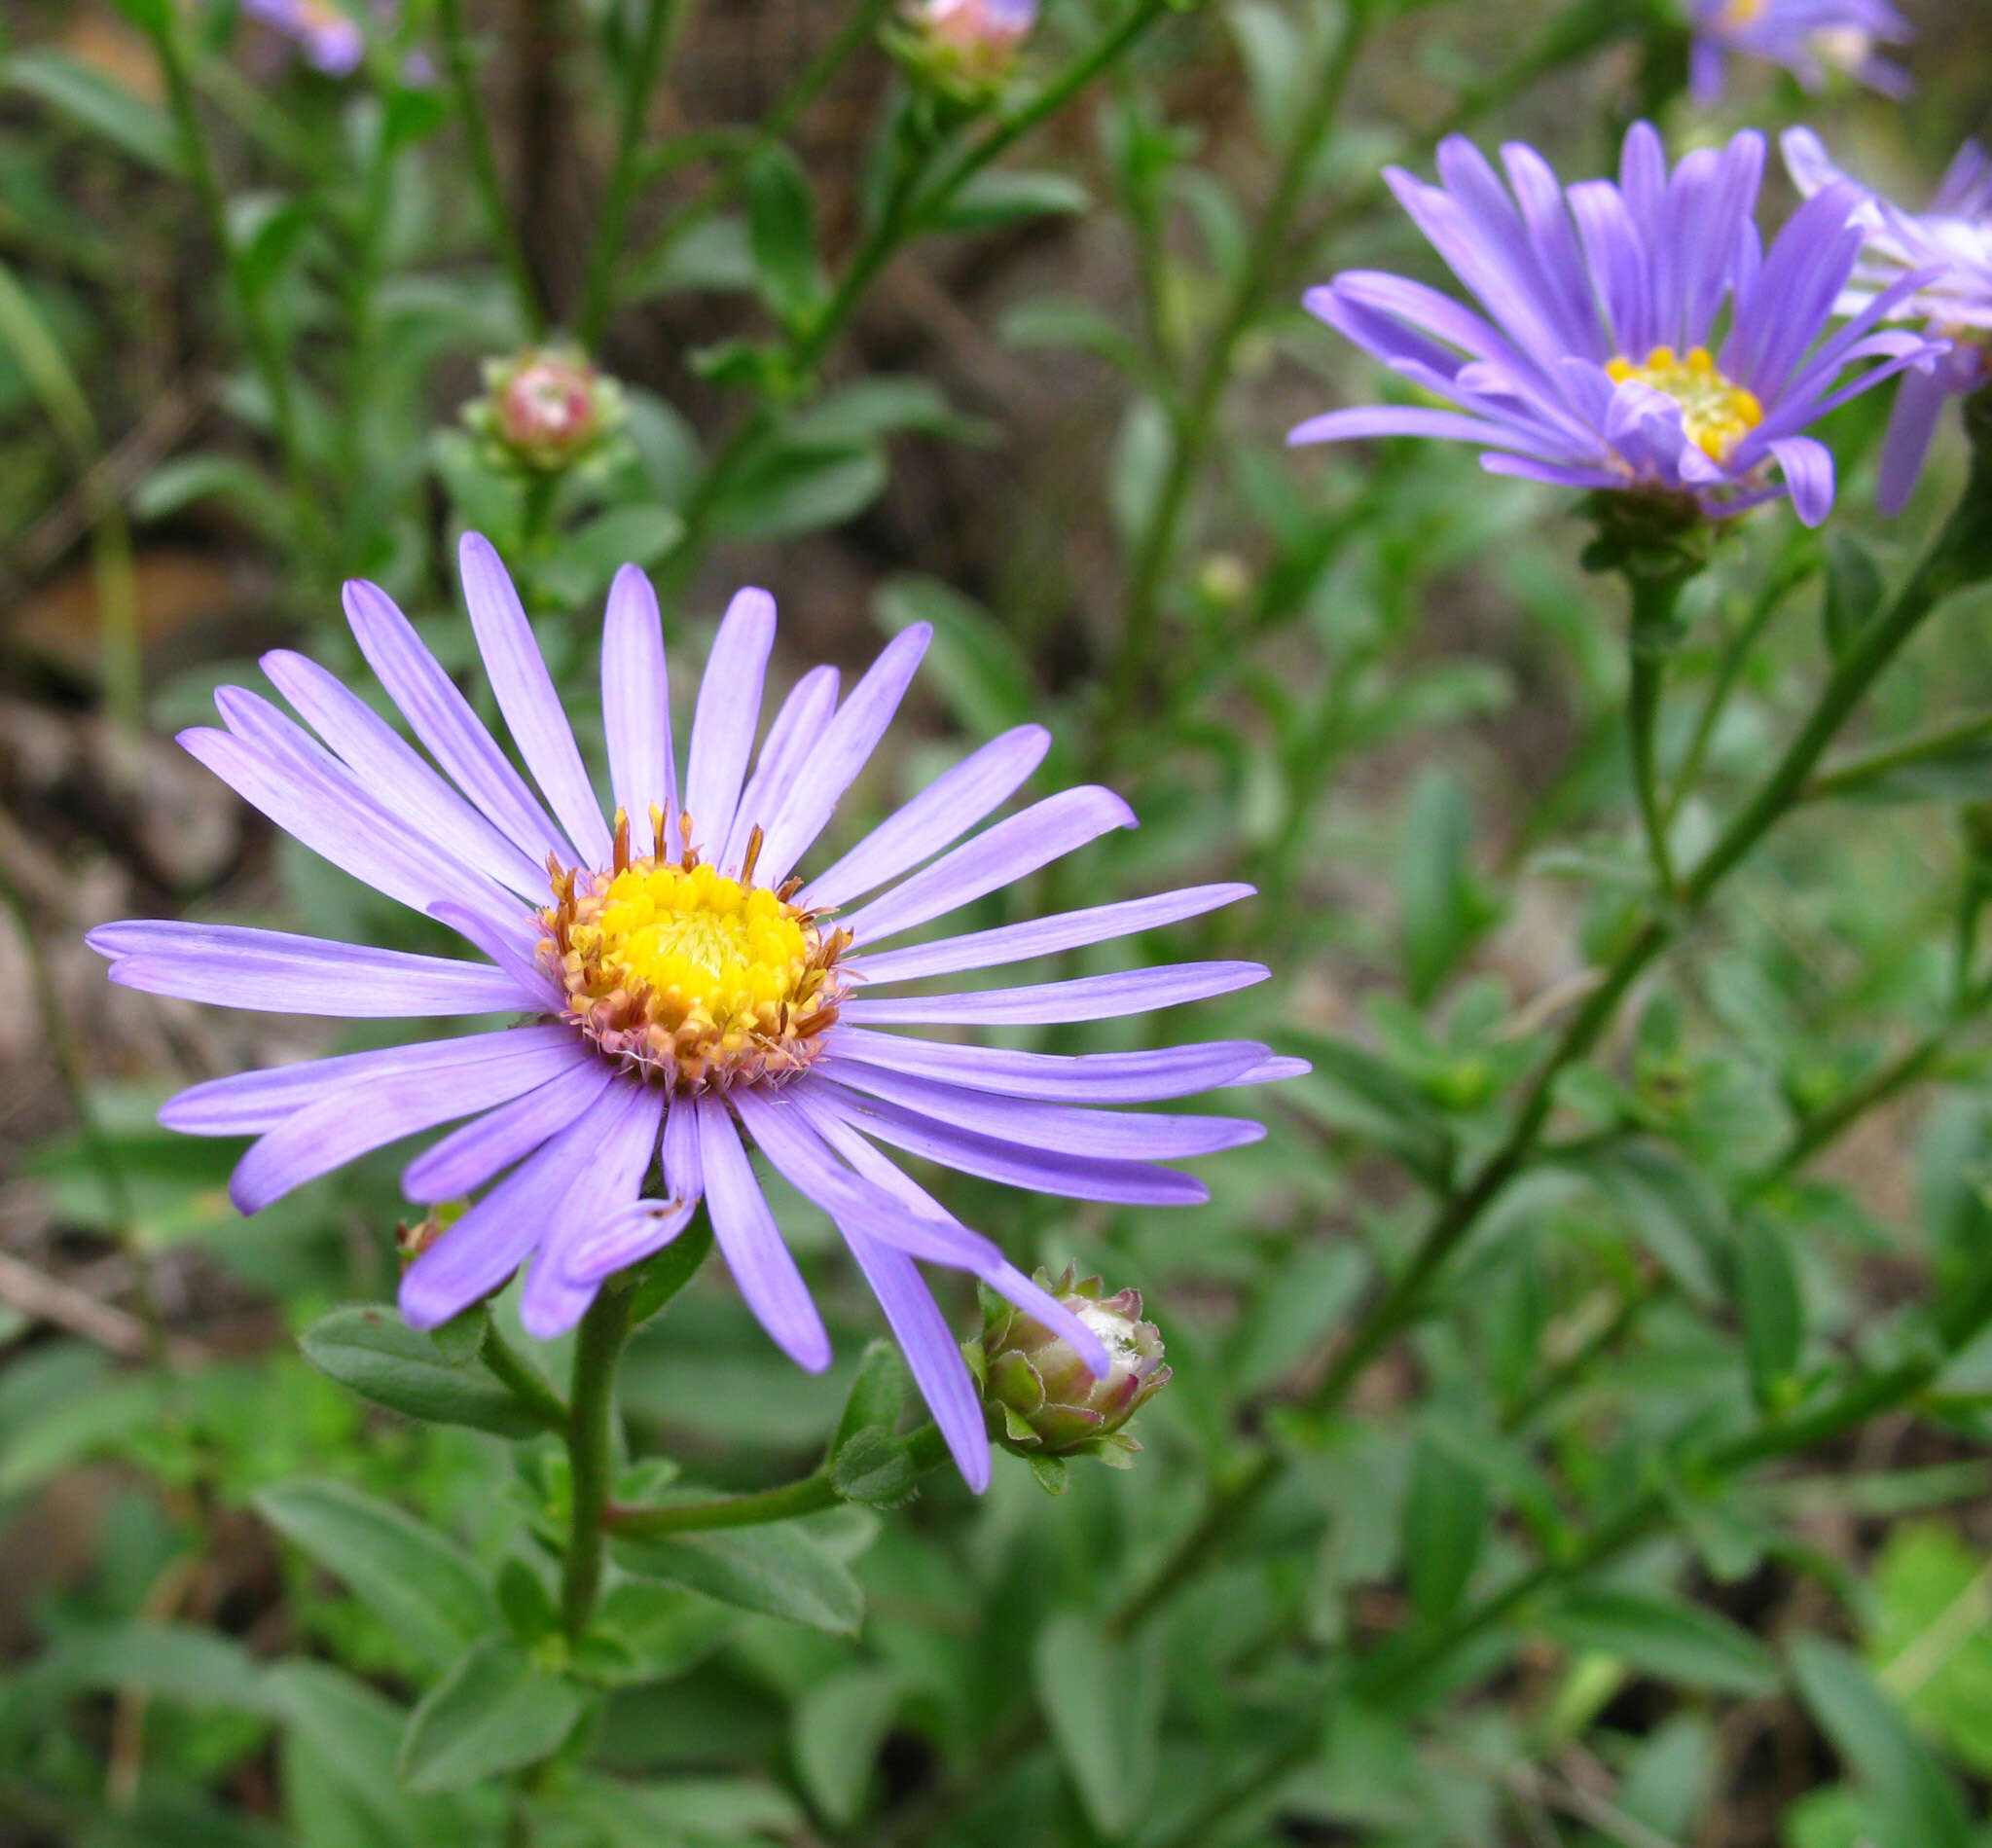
1715 413
687 977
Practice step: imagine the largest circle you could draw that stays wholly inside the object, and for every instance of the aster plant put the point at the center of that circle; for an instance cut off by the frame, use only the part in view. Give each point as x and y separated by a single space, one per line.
1946 251
685 991
1812 38
328 38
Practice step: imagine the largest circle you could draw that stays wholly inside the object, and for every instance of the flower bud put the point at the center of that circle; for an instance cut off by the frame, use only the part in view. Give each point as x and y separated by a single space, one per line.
965 47
545 409
1039 1396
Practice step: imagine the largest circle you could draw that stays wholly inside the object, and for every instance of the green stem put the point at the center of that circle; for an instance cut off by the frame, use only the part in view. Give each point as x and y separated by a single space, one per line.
661 20
812 1495
591 1453
1735 657
815 76
1649 639
1870 767
523 1380
484 166
265 352
1196 419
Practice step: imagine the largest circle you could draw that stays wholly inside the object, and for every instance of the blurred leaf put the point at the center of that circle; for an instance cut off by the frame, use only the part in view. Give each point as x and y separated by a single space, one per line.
1931 1642
1357 1092
1294 1312
1914 1799
681 1812
1672 1209
494 1712
267 230
878 1394
1000 197
184 480
1665 1638
785 489
1444 909
781 231
371 1349
1141 458
781 1572
1052 322
95 102
1853 592
867 409
1104 1713
667 1629
71 1427
715 255
1670 1775
1445 1519
578 571
840 1724
168 1661
973 660
418 1583
1771 1307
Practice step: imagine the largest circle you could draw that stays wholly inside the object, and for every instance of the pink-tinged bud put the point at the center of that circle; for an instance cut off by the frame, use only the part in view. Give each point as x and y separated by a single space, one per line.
1039 1395
965 47
545 409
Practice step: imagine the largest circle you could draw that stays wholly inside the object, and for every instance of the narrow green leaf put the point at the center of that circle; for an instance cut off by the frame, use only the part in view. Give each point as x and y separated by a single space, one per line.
1772 1309
94 102
782 1571
494 1712
1444 910
1445 1518
781 229
1104 1715
975 662
1666 1638
787 489
1914 1798
878 1394
1000 197
1853 592
839 1726
421 1586
373 1351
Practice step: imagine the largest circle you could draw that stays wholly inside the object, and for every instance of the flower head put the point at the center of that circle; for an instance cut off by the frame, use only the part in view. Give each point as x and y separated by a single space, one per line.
1041 1396
545 409
685 990
1636 337
1810 37
1949 248
964 46
328 36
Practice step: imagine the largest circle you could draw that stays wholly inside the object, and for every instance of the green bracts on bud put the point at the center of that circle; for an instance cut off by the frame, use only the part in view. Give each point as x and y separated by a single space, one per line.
1038 1396
545 409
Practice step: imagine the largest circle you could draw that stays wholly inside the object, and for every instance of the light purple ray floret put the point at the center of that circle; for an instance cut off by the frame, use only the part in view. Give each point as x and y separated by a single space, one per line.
329 38
1809 38
1579 286
587 1167
1949 247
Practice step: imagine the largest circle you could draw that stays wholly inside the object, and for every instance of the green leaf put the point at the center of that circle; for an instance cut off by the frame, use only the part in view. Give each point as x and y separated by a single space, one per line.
494 1712
1444 910
1445 1518
1853 592
877 1394
70 1428
840 1724
656 1280
785 490
781 1572
94 102
1104 1713
781 231
667 1629
1931 1642
350 1734
1294 1311
168 1661
377 1353
974 661
418 1583
998 197
1914 1799
1663 1637
1769 1302
867 409
681 1812
1135 469
875 1468
1353 1090
188 479
581 566
1672 1209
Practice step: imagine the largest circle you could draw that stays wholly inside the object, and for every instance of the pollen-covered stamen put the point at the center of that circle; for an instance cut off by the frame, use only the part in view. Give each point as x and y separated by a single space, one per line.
687 977
1715 412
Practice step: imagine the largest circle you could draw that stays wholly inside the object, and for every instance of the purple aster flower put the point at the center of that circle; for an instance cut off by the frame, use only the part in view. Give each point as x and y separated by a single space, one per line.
1636 336
967 45
1950 247
686 990
1808 37
329 37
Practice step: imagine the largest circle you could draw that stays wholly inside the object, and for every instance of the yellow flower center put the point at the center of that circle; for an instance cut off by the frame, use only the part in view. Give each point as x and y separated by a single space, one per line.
1739 14
1715 413
686 977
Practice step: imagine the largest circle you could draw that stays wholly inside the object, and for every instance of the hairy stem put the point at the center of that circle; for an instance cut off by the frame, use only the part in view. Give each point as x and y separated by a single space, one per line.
591 1453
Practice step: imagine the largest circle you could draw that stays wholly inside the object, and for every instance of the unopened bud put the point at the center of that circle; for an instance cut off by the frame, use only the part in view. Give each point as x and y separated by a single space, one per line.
412 1241
545 409
1040 1397
965 47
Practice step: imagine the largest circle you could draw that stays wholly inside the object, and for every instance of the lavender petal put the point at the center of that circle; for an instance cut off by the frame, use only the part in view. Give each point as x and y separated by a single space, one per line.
1098 1077
727 716
1045 1003
635 702
467 1158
